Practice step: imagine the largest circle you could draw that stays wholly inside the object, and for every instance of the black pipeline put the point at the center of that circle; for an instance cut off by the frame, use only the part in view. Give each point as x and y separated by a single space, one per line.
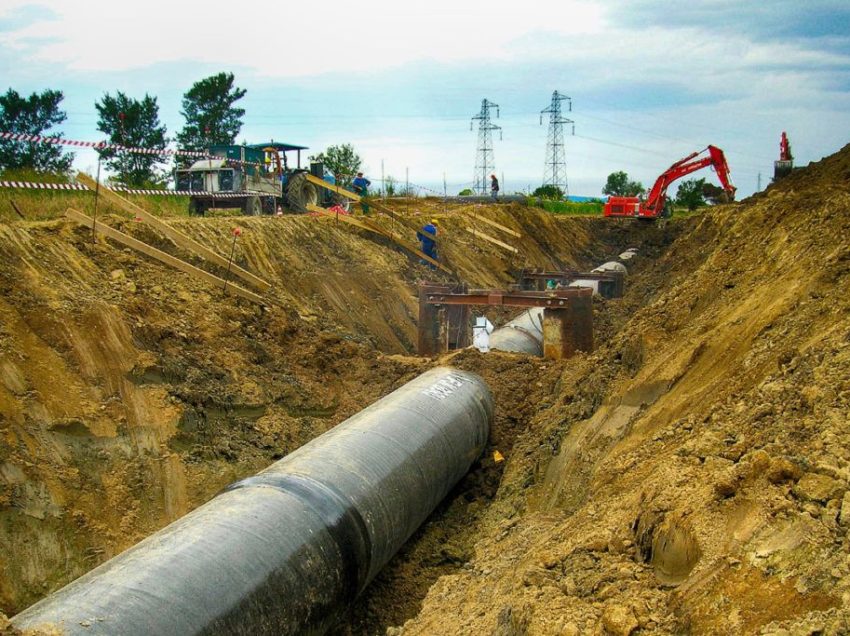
284 551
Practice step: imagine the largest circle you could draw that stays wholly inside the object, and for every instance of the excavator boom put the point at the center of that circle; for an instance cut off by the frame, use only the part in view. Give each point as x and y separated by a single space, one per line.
653 206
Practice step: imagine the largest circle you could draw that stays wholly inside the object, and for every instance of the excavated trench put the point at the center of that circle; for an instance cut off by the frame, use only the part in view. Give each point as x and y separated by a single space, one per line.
689 476
130 395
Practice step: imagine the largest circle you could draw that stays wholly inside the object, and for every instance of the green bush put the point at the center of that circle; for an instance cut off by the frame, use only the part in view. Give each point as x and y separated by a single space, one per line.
549 192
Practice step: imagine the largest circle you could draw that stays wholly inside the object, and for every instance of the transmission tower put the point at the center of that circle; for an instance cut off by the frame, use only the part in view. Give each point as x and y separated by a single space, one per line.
484 161
555 169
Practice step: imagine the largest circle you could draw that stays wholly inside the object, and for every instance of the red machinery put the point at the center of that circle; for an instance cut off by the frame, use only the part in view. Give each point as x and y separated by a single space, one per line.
785 148
785 165
653 206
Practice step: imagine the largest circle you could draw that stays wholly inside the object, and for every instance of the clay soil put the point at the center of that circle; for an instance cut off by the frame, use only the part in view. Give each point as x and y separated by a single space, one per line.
688 476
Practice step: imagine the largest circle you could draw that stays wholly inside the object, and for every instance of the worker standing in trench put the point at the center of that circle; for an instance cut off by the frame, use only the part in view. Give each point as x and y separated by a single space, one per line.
427 237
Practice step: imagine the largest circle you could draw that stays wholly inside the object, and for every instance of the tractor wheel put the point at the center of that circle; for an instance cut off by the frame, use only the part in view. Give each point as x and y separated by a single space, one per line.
253 206
269 205
300 193
197 207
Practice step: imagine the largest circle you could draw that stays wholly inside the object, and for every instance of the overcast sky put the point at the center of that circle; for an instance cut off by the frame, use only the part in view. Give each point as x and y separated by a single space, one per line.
650 81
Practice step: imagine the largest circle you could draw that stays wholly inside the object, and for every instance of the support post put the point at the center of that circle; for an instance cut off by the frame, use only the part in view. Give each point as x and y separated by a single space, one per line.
432 339
570 329
442 327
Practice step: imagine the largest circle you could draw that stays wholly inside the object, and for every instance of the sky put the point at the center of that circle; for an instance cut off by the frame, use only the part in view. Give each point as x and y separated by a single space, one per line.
401 81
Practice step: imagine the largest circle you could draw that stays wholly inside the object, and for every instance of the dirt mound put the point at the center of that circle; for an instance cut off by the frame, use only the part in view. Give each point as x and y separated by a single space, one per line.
692 474
131 393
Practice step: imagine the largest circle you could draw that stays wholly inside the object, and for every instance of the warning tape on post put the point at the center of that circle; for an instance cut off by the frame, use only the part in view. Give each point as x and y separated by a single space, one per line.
31 185
102 145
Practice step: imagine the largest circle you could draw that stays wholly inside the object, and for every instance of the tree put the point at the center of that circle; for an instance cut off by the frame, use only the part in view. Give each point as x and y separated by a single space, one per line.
211 117
342 160
618 185
690 194
466 192
549 192
130 122
33 115
390 186
714 194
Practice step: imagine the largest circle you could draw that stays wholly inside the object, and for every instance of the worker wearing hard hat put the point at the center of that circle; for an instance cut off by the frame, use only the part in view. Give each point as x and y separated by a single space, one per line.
428 240
361 186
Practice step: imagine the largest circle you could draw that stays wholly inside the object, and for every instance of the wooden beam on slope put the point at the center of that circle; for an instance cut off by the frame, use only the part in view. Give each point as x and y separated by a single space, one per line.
497 225
366 224
332 187
163 257
495 241
182 240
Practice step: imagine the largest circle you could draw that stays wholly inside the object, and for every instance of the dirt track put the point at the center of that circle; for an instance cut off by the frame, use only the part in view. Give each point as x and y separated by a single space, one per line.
688 476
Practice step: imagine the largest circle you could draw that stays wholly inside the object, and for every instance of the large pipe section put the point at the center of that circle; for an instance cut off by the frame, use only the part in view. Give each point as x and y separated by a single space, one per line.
523 334
284 551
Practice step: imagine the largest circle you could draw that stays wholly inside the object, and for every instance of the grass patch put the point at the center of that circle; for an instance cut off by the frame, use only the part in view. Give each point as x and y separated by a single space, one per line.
567 207
44 205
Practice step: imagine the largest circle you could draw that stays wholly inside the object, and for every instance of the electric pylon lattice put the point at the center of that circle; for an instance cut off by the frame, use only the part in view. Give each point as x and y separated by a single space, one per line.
555 169
485 163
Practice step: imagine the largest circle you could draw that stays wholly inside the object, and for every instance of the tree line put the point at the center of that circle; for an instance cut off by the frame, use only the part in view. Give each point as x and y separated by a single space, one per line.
208 107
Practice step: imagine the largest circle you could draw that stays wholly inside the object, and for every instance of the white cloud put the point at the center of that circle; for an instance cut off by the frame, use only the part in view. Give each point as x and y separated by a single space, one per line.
288 38
700 82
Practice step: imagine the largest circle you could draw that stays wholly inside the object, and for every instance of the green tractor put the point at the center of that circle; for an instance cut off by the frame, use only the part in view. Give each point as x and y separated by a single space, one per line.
256 178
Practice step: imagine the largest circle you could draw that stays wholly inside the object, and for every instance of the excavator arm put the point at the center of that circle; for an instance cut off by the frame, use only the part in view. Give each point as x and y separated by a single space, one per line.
657 197
654 205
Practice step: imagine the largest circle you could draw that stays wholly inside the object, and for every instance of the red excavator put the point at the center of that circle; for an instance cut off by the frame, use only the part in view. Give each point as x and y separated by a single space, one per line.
785 165
653 206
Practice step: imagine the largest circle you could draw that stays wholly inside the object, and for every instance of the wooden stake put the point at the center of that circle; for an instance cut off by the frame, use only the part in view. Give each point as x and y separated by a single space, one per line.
15 208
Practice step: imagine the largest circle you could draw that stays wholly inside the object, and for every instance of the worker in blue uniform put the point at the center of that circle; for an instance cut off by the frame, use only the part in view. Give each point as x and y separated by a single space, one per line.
428 242
361 186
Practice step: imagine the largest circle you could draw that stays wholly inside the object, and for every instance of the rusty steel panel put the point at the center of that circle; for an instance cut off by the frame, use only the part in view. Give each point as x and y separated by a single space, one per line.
569 330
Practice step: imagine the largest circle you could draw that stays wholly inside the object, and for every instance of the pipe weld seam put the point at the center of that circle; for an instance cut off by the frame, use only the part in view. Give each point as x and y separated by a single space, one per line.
343 521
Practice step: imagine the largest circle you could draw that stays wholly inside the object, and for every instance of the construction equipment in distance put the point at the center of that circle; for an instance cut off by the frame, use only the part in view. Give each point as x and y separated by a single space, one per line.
262 173
654 205
785 165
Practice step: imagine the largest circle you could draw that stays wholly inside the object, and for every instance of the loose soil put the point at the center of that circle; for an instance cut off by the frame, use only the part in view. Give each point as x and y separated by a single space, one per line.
688 476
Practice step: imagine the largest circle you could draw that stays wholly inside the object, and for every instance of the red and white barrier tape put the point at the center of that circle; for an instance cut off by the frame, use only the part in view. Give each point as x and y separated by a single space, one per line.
30 185
102 145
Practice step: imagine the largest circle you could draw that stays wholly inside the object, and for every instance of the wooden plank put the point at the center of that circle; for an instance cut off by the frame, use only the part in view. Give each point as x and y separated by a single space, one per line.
345 218
163 257
410 247
332 187
401 219
493 240
497 225
178 237
368 225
